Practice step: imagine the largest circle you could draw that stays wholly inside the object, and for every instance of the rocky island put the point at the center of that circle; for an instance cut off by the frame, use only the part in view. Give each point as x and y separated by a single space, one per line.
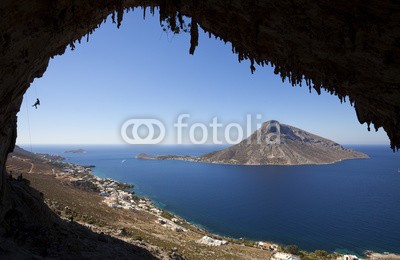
274 144
76 151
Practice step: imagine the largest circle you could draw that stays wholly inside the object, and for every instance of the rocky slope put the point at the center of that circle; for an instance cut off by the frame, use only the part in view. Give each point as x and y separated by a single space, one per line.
78 224
275 144
31 230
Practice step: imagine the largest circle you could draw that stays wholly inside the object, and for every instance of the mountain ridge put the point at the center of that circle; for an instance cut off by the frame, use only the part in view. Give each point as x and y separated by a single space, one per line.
275 144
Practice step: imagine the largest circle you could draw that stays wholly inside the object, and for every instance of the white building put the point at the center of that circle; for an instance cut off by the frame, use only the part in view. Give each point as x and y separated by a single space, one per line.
350 257
211 241
282 256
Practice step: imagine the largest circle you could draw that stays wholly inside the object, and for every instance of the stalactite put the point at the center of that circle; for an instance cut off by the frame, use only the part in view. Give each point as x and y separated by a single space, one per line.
172 24
318 89
120 14
252 68
180 19
194 36
113 16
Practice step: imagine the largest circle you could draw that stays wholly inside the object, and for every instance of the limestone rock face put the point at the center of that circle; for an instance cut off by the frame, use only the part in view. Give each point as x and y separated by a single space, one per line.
280 144
349 48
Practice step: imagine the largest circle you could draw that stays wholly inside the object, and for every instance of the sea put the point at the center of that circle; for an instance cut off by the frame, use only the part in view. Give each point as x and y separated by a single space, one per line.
346 207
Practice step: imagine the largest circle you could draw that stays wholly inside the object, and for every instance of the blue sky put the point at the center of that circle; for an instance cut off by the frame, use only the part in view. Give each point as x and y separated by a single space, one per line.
139 71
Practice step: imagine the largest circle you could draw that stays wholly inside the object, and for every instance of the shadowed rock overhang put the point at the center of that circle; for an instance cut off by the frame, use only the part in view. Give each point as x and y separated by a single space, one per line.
348 48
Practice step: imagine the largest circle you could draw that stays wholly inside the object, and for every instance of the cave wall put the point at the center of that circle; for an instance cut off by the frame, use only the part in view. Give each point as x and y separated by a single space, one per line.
32 32
349 48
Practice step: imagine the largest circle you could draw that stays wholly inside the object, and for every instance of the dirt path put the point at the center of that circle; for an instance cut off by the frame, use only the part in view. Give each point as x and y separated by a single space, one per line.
32 165
25 160
31 169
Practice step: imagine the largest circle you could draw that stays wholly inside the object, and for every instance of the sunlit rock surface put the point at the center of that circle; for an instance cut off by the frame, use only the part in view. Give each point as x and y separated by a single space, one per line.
280 144
274 144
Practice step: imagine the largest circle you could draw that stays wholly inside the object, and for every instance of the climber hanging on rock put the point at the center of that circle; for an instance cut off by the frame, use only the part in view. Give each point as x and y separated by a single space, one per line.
37 103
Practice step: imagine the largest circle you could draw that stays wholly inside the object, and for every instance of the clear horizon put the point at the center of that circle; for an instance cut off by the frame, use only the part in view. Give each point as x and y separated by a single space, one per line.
139 71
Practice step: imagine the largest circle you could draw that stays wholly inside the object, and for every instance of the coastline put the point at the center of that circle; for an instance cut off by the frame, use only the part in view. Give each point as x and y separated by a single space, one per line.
81 177
171 220
188 158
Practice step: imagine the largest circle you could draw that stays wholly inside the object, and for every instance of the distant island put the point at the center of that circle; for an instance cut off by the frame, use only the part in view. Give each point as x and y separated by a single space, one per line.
88 165
76 151
274 144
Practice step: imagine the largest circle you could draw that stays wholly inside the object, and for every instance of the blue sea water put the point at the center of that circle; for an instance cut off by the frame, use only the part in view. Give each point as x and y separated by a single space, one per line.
350 206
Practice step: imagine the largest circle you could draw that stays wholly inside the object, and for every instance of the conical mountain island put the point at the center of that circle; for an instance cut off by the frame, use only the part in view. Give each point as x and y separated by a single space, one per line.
275 144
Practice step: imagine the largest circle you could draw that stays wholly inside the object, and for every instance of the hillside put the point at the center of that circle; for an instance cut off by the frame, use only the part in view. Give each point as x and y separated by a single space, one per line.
275 144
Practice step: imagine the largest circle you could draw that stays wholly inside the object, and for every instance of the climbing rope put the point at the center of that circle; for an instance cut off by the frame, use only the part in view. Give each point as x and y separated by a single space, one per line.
36 91
27 114
29 126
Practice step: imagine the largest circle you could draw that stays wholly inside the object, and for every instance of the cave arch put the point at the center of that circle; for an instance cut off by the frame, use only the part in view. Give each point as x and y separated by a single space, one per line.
349 48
